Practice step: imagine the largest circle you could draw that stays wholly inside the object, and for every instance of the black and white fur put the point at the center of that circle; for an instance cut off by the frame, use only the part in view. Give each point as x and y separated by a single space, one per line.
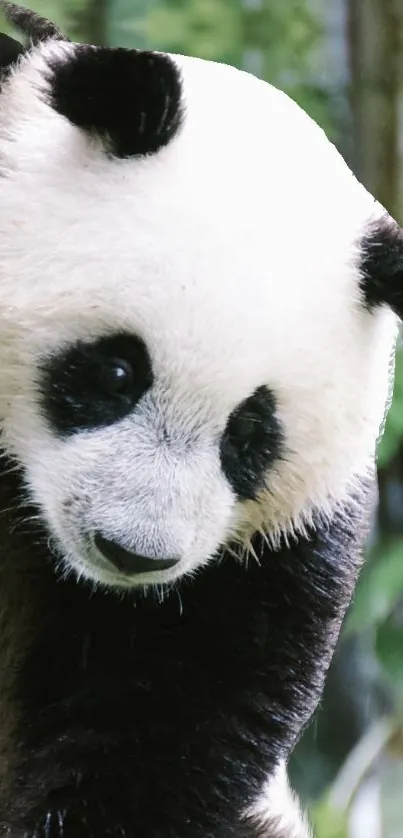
197 319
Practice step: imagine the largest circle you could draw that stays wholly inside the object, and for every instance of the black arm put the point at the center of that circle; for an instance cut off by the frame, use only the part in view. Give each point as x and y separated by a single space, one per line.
149 719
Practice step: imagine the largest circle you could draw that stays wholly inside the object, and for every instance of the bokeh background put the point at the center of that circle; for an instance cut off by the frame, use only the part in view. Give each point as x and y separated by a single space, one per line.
342 60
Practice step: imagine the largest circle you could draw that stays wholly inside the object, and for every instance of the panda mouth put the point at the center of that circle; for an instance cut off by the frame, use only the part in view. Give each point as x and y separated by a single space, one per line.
128 562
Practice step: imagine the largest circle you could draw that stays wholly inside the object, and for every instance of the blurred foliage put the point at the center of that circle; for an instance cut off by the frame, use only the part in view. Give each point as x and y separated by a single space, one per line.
378 601
328 822
393 435
222 31
379 589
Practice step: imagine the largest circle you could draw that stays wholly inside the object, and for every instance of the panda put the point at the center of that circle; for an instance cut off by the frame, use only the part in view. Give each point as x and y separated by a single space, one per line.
198 312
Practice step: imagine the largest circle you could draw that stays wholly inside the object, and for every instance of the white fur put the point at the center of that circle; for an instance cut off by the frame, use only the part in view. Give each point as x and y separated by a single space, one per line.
279 806
233 254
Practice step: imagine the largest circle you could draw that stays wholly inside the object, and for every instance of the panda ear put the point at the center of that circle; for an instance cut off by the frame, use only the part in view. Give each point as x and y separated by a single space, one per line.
10 51
130 99
35 27
382 265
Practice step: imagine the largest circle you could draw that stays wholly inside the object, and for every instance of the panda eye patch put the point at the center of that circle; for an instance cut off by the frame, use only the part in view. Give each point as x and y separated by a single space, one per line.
92 385
252 441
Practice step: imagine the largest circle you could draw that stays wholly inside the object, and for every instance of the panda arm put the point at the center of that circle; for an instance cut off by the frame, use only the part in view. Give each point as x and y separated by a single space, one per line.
145 718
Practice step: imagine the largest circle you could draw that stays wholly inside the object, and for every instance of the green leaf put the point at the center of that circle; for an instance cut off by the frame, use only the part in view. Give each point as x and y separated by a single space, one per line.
378 591
389 650
328 821
393 433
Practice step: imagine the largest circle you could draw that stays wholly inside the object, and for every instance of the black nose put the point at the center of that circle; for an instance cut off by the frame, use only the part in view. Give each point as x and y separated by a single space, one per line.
128 562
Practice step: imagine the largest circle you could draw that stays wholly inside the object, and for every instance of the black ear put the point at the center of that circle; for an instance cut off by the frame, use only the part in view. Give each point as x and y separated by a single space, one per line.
35 27
382 265
130 99
10 51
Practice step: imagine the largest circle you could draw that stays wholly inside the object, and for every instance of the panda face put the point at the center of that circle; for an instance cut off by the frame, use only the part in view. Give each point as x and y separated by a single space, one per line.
181 460
185 353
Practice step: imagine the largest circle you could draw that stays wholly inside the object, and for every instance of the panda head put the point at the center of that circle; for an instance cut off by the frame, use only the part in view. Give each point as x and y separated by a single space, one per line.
196 303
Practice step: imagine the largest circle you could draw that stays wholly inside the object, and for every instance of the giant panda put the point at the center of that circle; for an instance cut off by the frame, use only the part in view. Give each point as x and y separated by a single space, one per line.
198 312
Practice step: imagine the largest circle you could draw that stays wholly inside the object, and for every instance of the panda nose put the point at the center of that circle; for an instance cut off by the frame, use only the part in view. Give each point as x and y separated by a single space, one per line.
128 562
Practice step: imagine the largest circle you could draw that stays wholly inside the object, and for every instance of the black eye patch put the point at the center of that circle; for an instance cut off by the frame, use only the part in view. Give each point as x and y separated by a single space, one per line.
251 442
92 385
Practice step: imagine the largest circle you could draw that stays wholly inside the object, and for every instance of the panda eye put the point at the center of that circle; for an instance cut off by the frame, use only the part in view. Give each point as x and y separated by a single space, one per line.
251 443
117 377
92 385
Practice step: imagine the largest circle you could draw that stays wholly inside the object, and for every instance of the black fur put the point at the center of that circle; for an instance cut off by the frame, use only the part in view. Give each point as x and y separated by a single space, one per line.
130 99
381 265
37 28
94 384
148 719
251 443
10 51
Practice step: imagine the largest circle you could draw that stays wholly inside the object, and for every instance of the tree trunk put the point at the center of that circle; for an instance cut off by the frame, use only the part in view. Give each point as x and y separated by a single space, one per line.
375 53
